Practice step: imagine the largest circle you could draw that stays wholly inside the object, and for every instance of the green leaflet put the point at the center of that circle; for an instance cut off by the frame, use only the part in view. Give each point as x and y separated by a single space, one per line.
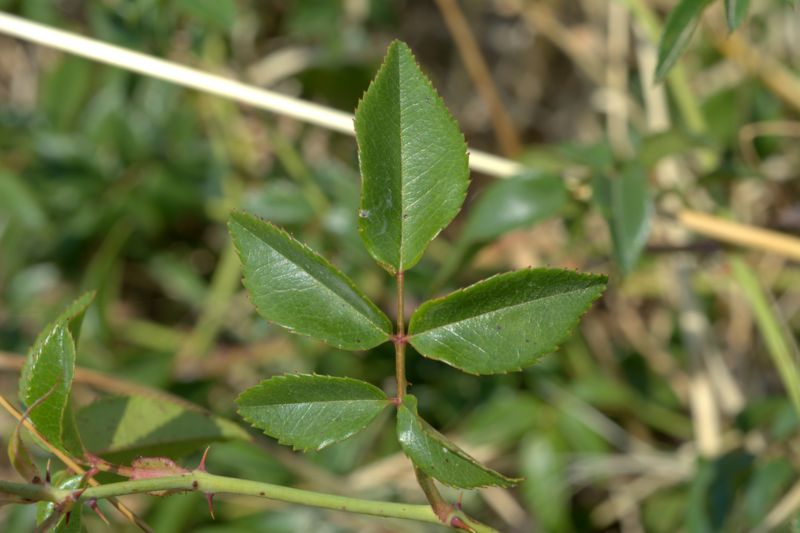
512 203
311 412
413 162
48 371
506 322
124 427
678 30
437 456
625 202
295 287
736 11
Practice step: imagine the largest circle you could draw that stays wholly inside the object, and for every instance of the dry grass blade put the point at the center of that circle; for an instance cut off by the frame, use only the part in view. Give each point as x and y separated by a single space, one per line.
741 234
476 67
202 81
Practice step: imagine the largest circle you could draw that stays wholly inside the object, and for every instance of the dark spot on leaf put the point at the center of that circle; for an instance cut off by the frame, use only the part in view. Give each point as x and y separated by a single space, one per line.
195 484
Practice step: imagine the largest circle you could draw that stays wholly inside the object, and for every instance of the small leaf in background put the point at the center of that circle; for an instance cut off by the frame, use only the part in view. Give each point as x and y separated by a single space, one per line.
547 492
124 427
513 203
311 412
437 456
652 148
20 203
413 161
506 322
625 202
678 30
295 287
736 11
598 156
714 489
216 14
505 205
65 90
65 480
765 487
503 418
664 511
282 202
49 369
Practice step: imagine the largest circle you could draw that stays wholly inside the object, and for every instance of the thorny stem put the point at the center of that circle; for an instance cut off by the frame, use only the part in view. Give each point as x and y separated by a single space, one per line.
68 462
400 339
203 482
198 481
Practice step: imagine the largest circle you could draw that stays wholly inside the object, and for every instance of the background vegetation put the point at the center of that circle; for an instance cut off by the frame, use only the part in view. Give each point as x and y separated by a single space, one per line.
673 407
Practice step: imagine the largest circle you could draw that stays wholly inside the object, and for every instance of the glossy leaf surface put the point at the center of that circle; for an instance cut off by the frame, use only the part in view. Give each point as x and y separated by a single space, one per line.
64 480
311 412
678 30
506 322
46 379
513 203
625 201
413 162
437 456
130 426
293 286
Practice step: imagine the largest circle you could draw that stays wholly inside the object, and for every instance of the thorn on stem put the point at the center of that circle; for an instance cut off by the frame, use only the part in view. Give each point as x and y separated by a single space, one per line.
96 508
47 477
210 500
202 466
458 501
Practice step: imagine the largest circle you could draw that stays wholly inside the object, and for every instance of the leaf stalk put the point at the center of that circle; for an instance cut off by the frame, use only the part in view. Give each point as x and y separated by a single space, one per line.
399 339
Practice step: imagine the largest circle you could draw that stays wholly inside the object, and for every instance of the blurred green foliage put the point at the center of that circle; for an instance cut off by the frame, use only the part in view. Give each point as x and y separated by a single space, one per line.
114 182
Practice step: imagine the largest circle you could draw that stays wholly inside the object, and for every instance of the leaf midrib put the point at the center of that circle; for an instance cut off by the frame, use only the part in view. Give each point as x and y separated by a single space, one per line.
427 435
376 400
321 282
543 298
400 262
